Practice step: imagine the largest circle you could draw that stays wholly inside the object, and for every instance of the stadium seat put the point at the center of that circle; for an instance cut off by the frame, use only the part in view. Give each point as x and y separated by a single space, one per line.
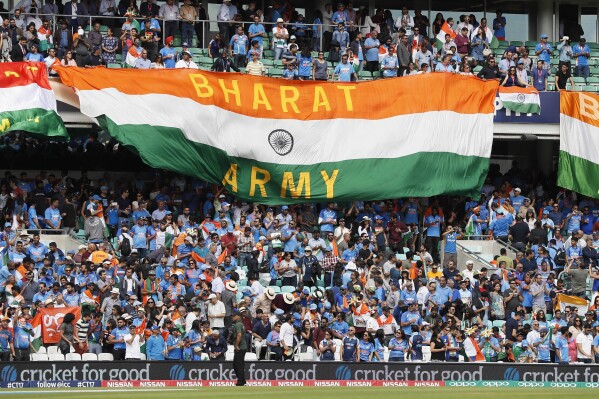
42 349
114 66
530 43
365 75
250 357
426 353
516 43
401 257
56 357
287 288
242 283
39 357
73 356
276 289
498 323
267 62
229 356
89 357
549 317
105 357
578 79
278 63
269 54
239 295
52 350
376 74
592 89
593 80
143 356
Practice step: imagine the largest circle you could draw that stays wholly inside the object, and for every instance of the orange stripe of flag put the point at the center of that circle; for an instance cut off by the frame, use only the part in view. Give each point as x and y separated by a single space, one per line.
262 97
581 106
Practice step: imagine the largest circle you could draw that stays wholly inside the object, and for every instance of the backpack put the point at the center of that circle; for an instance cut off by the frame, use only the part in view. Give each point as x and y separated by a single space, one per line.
560 257
125 246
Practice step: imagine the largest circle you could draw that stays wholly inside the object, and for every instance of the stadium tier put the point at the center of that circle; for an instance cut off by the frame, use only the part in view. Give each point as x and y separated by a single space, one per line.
313 218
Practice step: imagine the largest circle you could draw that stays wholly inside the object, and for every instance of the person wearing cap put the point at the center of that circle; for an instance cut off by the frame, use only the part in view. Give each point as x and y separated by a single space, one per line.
216 312
565 52
155 346
280 35
544 51
133 341
186 62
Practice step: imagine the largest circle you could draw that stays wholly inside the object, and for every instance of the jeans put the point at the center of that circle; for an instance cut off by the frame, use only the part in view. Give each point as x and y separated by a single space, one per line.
290 281
239 366
582 71
22 355
243 258
187 33
94 347
279 53
239 60
223 29
170 29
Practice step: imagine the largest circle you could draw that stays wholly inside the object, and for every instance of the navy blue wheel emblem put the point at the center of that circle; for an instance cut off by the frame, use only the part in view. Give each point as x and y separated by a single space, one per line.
281 141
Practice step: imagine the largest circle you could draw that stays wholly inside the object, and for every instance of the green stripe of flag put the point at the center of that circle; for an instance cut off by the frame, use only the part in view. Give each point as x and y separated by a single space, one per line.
33 120
578 174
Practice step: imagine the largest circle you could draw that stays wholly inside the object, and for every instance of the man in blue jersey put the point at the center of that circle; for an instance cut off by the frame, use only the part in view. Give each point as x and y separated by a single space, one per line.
433 223
500 226
450 237
351 346
344 71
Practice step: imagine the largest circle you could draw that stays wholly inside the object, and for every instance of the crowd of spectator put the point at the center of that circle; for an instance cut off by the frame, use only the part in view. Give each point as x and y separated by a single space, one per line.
169 266
339 44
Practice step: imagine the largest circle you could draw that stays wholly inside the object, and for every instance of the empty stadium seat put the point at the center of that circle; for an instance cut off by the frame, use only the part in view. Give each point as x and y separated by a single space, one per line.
39 357
143 356
42 349
276 289
229 356
287 288
89 357
73 356
250 357
56 357
52 350
105 357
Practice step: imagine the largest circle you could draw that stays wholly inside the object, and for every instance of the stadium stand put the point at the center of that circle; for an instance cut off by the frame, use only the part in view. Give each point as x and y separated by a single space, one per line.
163 265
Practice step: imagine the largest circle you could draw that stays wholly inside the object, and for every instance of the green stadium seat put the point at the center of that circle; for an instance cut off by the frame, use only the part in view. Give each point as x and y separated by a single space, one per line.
268 62
516 43
287 288
103 28
530 43
206 61
553 70
365 75
578 79
593 45
376 74
477 69
594 54
114 66
269 54
275 288
592 89
275 73
241 70
550 86
594 71
593 80
278 63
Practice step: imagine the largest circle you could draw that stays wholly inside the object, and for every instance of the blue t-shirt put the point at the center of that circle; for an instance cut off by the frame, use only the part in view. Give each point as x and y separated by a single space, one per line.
561 345
434 230
304 68
257 28
6 338
168 62
450 243
366 349
417 341
414 319
119 333
113 216
328 214
411 215
344 71
22 337
53 215
500 227
579 50
390 62
574 223
139 236
543 348
372 54
545 54
398 349
239 44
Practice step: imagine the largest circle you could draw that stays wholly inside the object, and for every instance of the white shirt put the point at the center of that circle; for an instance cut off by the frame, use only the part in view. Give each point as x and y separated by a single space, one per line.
532 336
133 350
105 5
218 308
191 316
257 288
223 13
586 341
217 285
286 334
372 324
339 233
169 13
182 64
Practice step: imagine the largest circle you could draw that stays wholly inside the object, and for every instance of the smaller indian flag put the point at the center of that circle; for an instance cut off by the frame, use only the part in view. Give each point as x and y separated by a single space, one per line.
36 323
27 101
445 30
524 100
132 56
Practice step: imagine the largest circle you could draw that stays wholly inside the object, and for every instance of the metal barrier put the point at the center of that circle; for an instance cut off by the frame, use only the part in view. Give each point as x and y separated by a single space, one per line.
90 19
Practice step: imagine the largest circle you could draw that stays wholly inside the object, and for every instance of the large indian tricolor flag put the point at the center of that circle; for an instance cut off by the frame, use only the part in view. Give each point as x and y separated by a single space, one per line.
276 141
26 100
579 143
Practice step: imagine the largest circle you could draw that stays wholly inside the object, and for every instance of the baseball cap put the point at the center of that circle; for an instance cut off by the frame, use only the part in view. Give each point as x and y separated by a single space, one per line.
280 20
97 197
544 36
